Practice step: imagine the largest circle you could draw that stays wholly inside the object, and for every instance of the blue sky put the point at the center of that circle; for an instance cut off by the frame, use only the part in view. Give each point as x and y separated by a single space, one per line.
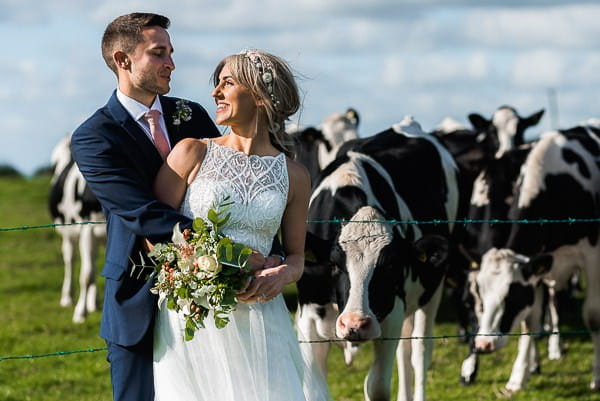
387 59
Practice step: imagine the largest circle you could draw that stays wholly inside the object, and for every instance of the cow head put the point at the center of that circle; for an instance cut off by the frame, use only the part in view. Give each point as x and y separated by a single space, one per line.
505 293
505 130
337 128
306 145
371 262
61 157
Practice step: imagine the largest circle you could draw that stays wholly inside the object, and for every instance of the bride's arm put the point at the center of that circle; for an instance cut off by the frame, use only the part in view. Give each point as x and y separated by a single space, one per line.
293 225
180 167
270 282
178 170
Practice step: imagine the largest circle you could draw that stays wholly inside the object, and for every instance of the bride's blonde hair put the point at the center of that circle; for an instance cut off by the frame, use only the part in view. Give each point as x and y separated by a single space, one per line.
270 79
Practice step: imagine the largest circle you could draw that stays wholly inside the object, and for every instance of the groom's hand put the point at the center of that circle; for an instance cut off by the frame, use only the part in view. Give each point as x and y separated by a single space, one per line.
256 261
273 261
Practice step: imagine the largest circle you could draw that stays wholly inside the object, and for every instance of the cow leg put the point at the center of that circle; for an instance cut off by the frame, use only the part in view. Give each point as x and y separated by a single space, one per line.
554 347
350 349
535 366
527 360
403 357
470 365
468 369
591 317
91 297
422 343
378 383
520 370
591 309
66 294
86 245
595 383
308 332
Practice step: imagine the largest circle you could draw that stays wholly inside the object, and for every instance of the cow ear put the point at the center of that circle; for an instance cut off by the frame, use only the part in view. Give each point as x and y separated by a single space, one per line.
432 249
352 115
533 119
537 266
479 122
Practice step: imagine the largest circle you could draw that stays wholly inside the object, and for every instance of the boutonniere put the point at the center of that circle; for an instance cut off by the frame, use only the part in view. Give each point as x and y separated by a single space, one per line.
182 112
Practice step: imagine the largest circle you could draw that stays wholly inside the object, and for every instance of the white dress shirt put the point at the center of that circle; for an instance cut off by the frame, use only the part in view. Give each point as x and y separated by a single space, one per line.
137 110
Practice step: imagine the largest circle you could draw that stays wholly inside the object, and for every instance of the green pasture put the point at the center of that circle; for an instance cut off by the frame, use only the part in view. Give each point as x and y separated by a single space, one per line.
33 323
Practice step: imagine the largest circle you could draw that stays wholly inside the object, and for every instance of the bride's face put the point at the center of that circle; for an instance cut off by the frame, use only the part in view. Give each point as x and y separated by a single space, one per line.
236 106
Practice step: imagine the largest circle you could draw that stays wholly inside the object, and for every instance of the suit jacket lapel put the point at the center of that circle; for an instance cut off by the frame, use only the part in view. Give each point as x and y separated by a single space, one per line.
133 130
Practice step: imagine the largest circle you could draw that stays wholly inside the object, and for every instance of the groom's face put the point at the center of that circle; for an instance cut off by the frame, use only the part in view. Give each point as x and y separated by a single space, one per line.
151 66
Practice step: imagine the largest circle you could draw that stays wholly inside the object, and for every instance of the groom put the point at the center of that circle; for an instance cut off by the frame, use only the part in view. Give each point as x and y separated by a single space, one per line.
119 151
119 154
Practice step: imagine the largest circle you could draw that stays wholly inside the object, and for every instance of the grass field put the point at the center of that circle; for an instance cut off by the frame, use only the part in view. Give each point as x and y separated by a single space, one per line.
33 323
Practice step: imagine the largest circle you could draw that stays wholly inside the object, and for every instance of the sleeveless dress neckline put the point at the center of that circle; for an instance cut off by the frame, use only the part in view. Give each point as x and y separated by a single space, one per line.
212 143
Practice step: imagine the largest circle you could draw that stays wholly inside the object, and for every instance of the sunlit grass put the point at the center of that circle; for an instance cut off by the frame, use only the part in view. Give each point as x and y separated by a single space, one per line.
33 323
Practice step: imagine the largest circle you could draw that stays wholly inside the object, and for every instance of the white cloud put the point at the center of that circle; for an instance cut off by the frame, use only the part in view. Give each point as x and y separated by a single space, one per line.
565 26
538 68
386 58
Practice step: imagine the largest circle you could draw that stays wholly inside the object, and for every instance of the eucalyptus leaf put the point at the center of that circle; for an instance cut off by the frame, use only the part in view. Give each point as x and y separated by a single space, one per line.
189 334
212 216
199 225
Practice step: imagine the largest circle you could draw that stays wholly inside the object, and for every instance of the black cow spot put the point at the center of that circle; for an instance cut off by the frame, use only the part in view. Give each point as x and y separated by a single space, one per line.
573 158
518 298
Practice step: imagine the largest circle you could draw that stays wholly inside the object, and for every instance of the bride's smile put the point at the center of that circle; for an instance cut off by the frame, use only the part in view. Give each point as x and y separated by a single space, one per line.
236 106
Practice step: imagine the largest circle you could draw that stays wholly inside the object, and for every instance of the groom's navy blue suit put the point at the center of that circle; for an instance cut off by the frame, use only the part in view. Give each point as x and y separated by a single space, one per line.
120 163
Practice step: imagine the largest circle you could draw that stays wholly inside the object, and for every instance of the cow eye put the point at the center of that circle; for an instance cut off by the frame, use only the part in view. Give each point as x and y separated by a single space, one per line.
336 270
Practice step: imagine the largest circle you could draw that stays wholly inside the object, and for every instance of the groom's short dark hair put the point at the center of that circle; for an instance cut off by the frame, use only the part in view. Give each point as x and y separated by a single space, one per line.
125 32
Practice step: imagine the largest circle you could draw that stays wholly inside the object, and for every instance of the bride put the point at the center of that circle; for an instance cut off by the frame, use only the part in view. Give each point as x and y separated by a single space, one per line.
256 357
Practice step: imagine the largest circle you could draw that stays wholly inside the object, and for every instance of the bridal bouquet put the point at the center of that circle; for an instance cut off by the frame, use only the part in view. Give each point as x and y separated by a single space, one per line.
201 270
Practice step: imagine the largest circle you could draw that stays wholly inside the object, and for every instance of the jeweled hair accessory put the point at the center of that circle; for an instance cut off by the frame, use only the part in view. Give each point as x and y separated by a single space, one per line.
265 71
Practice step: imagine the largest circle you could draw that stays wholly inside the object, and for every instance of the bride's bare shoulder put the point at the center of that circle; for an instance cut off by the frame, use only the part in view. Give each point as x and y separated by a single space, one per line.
187 155
298 174
190 145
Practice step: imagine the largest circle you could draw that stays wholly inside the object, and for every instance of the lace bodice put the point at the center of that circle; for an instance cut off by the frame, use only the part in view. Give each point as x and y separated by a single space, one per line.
257 184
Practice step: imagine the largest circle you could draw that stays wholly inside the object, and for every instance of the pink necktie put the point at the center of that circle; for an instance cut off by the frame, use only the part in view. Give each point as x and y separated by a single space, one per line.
158 135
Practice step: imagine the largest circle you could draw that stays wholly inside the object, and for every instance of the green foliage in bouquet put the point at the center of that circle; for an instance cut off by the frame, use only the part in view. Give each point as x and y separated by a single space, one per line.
201 270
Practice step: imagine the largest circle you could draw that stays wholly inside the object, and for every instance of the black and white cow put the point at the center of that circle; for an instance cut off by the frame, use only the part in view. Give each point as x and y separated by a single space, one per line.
317 146
366 277
474 149
71 201
491 200
489 157
559 180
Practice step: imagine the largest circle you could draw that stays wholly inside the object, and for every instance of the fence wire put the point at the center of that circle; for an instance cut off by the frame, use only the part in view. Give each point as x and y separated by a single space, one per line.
542 221
568 220
336 340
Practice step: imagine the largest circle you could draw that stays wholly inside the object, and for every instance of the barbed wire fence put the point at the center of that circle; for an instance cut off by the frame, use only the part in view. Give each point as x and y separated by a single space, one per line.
540 221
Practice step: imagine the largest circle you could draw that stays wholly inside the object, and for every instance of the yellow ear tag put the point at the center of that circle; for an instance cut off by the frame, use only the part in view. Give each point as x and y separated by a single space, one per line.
423 257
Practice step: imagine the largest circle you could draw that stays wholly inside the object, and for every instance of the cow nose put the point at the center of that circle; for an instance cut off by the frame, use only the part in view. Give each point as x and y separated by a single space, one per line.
355 327
483 345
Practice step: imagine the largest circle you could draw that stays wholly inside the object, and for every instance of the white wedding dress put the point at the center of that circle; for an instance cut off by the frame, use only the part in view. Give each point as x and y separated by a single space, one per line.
256 357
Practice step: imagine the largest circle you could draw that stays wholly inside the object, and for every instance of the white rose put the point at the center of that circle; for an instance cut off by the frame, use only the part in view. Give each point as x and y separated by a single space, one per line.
184 305
208 264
